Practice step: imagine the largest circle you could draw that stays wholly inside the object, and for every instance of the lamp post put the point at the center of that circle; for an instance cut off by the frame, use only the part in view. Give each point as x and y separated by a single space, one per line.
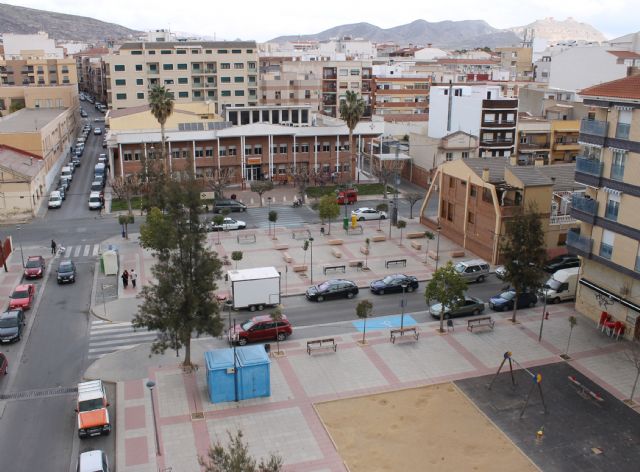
438 246
544 311
394 214
235 369
311 264
404 284
21 251
150 385
269 205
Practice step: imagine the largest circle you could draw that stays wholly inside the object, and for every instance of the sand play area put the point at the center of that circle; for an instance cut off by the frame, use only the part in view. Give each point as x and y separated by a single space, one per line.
428 428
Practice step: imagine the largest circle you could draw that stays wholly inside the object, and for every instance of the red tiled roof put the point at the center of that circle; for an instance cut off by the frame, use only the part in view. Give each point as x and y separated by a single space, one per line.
625 54
629 88
467 61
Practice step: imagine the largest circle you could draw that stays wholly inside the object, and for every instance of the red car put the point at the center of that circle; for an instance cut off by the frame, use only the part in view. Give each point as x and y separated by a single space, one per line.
260 328
22 297
34 269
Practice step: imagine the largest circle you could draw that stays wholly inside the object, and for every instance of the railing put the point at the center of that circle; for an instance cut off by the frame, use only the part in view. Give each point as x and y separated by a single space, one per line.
581 243
544 145
589 166
606 250
611 211
595 127
617 172
562 220
622 130
587 205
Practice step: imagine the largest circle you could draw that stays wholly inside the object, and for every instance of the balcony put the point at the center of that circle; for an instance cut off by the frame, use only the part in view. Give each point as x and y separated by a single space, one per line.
622 130
329 87
617 172
583 208
500 104
500 142
577 244
589 166
593 131
533 146
606 250
562 220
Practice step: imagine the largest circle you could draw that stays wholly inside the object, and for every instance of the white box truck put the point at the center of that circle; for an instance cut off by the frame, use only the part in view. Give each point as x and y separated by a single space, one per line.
562 285
255 288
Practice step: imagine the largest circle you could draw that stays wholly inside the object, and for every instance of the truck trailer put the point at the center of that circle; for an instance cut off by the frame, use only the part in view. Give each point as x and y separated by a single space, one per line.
254 288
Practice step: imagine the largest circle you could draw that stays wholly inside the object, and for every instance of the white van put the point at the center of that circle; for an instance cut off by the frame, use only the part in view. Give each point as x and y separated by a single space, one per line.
474 270
55 200
93 461
95 202
562 285
67 172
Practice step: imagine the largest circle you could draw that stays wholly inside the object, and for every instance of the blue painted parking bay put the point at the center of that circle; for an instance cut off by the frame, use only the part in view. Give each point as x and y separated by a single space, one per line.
384 322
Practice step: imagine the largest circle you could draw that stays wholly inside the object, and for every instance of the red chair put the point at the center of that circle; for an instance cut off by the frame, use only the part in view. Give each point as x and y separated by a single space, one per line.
604 317
618 330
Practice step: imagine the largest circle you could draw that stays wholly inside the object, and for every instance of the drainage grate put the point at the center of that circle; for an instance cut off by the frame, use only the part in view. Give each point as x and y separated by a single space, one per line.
42 393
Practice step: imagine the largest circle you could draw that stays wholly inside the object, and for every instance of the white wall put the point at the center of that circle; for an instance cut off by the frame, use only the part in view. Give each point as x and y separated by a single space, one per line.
581 67
429 54
14 44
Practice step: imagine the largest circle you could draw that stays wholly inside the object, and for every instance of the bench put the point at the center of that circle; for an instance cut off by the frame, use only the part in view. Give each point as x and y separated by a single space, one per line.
335 242
356 263
395 262
480 322
328 343
337 254
364 250
355 230
457 253
299 268
327 267
248 238
287 258
411 332
379 238
433 255
415 235
416 246
300 234
281 247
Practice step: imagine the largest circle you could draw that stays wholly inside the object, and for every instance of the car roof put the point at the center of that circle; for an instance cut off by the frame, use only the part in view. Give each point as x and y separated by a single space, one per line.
23 287
10 313
55 193
34 257
94 194
263 318
91 460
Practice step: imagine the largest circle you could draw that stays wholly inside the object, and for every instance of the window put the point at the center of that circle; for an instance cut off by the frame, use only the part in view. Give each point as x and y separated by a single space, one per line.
247 150
239 93
465 154
167 66
238 65
166 51
199 152
183 94
140 96
232 151
128 156
121 82
473 191
222 51
486 195
225 65
181 51
489 117
138 67
118 68
222 151
225 80
304 148
471 218
121 96
238 80
606 245
257 149
617 164
195 51
151 52
613 206
183 80
236 51
449 156
208 152
624 123
168 81
355 72
182 66
283 149
225 93
139 81
136 53
326 147
450 208
452 182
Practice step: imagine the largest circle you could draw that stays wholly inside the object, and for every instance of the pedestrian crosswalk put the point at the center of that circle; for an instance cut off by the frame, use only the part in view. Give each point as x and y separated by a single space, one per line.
81 250
106 337
287 216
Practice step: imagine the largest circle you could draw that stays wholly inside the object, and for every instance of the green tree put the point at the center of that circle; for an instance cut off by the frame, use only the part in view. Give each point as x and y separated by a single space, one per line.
412 198
180 303
401 225
236 458
125 221
329 209
351 111
236 256
381 207
523 251
261 187
367 245
218 220
161 104
273 218
126 188
430 237
446 287
16 105
363 311
277 315
305 248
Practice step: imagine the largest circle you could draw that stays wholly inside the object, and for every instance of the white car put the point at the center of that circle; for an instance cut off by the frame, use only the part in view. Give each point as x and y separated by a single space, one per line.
363 214
55 200
227 224
95 201
97 131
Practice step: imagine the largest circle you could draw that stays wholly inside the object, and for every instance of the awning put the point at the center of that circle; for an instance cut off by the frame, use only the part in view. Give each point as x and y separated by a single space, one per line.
612 191
612 296
582 143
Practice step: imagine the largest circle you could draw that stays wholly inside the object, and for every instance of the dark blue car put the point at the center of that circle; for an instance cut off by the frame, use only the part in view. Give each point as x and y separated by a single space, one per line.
505 300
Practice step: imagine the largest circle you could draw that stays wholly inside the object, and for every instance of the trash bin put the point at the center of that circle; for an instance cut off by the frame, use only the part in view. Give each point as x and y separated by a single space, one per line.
322 230
345 223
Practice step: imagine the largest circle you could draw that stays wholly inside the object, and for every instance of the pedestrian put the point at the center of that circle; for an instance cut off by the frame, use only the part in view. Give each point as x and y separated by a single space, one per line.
133 276
53 247
125 279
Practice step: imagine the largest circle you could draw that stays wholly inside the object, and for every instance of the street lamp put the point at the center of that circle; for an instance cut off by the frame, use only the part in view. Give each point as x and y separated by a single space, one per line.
150 385
404 285
269 203
438 246
311 265
544 311
394 214
21 251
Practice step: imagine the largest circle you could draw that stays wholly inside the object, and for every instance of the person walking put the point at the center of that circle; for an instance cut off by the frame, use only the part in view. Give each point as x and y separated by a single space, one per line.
125 279
133 275
54 246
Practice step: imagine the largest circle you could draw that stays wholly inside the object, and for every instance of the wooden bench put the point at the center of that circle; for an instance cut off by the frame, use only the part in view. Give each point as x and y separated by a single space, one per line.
248 238
337 254
340 267
299 268
282 247
300 234
457 253
335 242
415 235
416 246
356 263
411 332
480 322
357 230
433 255
328 343
287 258
364 250
379 238
395 262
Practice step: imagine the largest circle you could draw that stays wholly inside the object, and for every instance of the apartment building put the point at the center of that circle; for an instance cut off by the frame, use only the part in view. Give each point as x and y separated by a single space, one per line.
285 81
400 98
340 76
609 233
92 72
477 197
22 183
222 72
518 61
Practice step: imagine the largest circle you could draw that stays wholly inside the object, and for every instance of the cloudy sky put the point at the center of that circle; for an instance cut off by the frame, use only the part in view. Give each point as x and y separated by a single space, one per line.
262 20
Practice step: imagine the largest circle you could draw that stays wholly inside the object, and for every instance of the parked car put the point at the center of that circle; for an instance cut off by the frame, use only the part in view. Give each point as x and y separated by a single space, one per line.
79 151
501 272
93 461
96 186
468 306
260 328
393 283
335 288
64 182
231 205
22 297
66 272
561 262
76 161
346 197
11 324
95 201
227 224
104 143
34 268
4 364
474 270
364 213
505 300
83 114
97 131
55 200
63 192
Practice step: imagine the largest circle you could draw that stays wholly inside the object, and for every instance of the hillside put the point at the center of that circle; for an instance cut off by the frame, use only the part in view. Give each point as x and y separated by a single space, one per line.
445 34
567 30
60 26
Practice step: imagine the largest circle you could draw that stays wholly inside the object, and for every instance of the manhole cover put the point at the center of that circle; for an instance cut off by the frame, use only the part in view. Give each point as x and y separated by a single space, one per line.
42 393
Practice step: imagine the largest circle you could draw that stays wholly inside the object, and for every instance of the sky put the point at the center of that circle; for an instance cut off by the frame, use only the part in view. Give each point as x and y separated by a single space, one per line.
263 20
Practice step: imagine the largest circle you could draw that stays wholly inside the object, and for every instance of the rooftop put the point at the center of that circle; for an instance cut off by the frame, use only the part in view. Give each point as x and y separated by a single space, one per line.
29 120
188 44
18 162
626 88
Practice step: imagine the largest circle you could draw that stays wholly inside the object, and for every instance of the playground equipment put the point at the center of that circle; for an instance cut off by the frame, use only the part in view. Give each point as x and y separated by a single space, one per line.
584 391
536 378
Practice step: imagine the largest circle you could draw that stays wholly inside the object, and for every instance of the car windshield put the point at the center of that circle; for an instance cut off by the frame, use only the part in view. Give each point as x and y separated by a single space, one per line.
247 325
65 267
553 284
324 286
9 322
90 405
20 294
388 279
94 199
508 295
32 264
460 267
55 198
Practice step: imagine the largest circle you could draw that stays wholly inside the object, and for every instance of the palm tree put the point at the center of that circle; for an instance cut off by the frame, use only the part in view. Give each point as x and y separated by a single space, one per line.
351 110
161 103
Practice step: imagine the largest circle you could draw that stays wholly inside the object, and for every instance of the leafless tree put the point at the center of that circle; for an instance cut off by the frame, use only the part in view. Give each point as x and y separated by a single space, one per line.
413 198
385 170
632 352
127 187
220 180
302 178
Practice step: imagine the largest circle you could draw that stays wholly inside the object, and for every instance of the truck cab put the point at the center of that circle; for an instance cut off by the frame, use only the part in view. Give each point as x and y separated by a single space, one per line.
93 416
348 196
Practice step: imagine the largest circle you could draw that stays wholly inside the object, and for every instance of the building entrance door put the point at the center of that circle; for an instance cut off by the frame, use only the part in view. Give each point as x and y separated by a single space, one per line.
253 172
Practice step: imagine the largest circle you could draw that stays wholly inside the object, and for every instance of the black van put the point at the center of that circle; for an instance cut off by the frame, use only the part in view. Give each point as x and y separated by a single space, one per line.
231 205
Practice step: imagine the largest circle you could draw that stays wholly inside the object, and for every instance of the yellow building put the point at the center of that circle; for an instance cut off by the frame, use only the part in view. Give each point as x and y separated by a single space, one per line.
518 61
25 96
141 118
